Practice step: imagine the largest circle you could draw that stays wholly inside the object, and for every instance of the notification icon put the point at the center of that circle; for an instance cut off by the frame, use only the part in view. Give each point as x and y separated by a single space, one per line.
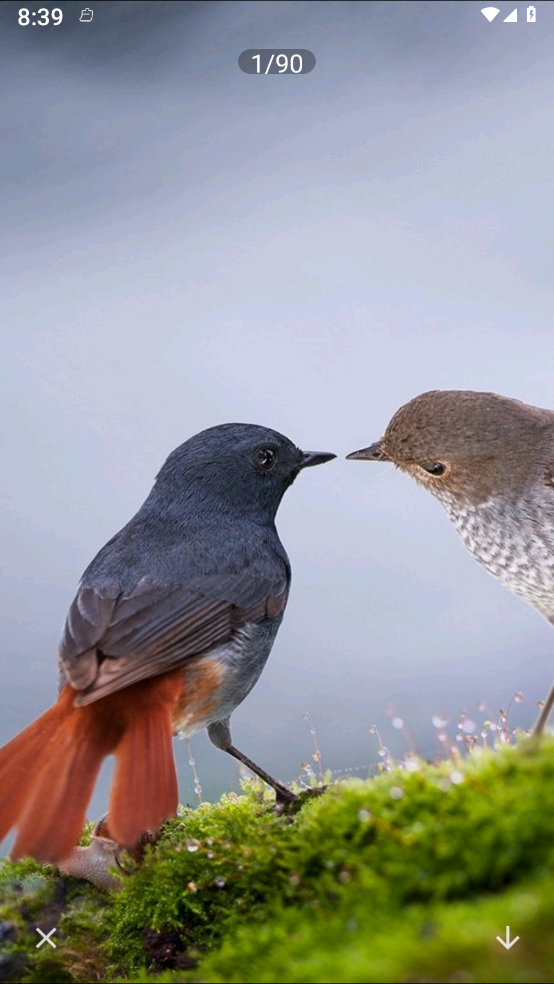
86 16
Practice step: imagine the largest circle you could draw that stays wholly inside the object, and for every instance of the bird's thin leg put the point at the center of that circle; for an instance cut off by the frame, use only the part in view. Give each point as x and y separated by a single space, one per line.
219 734
283 795
545 711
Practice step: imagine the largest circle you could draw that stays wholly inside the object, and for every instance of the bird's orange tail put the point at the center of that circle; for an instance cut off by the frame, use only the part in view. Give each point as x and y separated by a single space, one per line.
48 772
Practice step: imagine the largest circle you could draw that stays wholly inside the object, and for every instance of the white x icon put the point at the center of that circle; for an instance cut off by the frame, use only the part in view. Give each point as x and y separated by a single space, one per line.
46 937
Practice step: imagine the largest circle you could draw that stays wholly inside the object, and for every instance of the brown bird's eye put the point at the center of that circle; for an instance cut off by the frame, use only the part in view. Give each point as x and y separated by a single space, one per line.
436 468
266 457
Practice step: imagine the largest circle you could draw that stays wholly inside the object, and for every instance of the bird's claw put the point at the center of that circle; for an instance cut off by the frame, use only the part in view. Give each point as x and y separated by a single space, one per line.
289 803
94 863
103 853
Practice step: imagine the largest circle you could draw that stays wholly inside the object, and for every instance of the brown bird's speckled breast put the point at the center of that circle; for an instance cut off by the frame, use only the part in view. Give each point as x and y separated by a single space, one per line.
513 541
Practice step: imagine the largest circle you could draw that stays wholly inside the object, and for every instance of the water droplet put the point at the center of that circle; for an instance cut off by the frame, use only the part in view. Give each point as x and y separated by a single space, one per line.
209 855
467 726
412 765
192 846
364 816
439 721
192 887
396 793
372 729
344 876
220 881
456 778
306 716
519 697
192 761
397 723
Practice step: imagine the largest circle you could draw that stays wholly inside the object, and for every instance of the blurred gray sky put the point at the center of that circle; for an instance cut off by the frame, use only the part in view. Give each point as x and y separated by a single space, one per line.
184 244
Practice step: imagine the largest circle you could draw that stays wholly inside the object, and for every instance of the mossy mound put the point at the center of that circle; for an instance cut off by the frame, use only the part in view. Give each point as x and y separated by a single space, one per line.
406 877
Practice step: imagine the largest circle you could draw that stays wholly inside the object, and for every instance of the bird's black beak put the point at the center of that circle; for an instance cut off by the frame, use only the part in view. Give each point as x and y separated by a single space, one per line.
373 453
310 458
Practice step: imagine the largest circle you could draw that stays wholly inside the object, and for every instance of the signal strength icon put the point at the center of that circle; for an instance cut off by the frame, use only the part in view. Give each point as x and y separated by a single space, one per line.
490 13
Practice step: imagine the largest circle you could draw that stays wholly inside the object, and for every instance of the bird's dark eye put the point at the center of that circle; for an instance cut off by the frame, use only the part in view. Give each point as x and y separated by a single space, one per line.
436 468
266 457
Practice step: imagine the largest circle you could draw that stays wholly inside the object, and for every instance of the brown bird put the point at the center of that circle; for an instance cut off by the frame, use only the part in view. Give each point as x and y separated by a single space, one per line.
489 460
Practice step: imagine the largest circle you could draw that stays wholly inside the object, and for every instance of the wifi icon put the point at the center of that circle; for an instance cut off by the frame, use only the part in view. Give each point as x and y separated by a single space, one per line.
490 13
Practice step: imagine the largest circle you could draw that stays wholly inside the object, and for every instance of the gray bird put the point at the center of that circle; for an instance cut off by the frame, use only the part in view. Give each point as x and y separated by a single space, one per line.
489 460
169 631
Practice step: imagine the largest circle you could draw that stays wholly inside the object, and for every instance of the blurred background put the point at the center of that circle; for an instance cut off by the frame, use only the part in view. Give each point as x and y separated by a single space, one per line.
185 244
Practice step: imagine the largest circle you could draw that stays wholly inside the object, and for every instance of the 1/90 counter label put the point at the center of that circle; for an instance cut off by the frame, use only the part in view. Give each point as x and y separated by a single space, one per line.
278 61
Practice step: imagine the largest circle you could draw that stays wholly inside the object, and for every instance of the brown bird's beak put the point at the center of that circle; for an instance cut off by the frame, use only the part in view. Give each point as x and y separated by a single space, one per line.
310 458
373 453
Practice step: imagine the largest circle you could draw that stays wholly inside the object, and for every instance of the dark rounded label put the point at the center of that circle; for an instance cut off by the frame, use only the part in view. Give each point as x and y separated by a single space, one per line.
277 61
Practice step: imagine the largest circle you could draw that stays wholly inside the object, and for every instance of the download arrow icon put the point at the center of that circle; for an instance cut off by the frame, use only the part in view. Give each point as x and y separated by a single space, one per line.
507 943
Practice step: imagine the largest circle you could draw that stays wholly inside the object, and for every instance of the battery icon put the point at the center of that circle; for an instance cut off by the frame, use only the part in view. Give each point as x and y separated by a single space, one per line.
531 15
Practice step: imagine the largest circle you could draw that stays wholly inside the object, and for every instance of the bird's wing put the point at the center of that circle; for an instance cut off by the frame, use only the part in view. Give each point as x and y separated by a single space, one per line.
111 640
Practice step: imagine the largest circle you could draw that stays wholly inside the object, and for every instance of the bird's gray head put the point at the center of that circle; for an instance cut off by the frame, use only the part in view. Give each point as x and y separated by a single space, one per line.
466 445
238 469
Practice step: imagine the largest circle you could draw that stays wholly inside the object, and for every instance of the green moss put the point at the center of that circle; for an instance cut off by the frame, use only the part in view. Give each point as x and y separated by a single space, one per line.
33 895
406 877
455 942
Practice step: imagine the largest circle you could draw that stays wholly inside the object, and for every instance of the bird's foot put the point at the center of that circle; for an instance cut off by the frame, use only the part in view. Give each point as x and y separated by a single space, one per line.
102 854
94 862
311 792
287 802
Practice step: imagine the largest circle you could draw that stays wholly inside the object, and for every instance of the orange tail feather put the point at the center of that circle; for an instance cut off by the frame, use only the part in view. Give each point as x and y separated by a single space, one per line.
144 791
48 772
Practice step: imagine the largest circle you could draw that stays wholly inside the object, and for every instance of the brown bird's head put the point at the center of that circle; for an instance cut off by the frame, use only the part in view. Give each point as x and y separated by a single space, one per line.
465 445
